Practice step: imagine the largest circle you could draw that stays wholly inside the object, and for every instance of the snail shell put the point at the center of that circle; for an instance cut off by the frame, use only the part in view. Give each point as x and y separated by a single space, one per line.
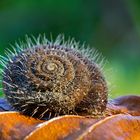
47 79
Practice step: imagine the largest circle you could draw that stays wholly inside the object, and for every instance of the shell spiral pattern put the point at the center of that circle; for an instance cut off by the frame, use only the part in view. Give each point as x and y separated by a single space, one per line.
47 79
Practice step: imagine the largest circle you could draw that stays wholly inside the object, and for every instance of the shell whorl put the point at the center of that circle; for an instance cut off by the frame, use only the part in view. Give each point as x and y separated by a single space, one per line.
54 78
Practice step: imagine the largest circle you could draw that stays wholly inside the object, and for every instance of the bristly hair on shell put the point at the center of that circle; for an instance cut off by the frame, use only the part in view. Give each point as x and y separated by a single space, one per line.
31 42
87 81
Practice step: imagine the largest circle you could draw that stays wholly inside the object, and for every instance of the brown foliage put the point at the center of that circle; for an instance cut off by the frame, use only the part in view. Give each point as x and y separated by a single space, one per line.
14 126
122 121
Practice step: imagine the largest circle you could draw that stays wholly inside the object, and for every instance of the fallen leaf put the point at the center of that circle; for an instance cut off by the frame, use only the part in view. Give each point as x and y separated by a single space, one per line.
14 126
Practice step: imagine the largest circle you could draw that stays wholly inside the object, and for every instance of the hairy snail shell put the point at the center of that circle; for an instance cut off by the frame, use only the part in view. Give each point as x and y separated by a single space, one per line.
46 79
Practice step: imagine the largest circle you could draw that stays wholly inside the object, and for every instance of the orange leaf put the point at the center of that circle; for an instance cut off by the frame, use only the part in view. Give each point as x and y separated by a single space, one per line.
117 127
15 126
68 126
125 105
125 127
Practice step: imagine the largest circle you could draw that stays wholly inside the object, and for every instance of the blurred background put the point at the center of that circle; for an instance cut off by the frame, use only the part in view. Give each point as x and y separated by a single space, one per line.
110 26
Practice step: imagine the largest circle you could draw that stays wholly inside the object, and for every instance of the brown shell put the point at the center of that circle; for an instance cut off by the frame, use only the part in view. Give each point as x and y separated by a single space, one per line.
53 79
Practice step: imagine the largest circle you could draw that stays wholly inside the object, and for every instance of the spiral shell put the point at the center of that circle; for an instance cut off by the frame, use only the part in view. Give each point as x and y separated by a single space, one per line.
45 79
